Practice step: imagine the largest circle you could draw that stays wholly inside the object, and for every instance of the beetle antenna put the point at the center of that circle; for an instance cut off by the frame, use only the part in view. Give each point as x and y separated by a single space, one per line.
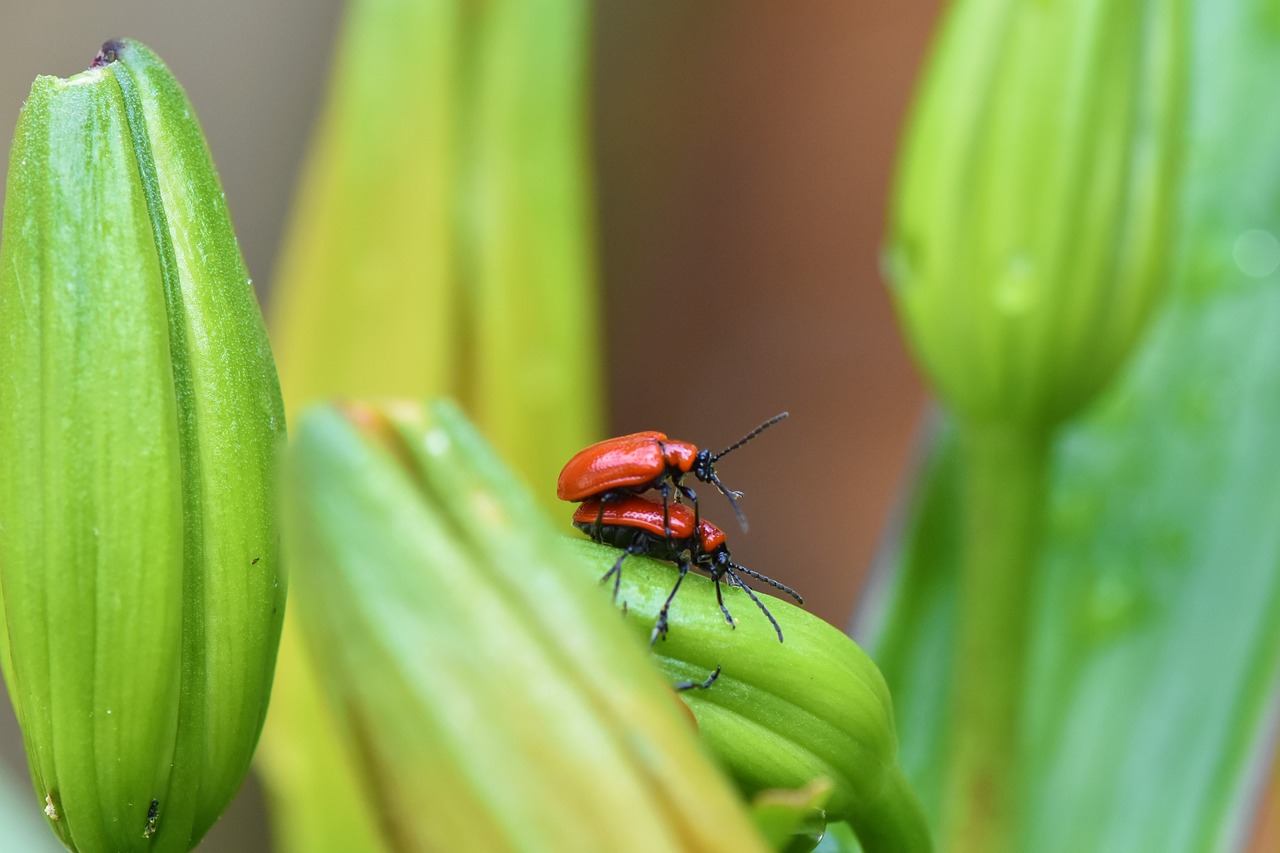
764 426
741 584
771 582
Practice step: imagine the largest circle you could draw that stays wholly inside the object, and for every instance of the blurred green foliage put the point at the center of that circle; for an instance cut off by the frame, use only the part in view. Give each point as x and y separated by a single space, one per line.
442 243
1153 643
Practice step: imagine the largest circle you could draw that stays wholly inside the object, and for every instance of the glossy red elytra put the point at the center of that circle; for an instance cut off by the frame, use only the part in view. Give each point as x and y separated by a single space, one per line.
635 463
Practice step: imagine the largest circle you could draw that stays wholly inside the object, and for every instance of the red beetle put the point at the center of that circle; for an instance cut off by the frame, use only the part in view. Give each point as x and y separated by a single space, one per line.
643 527
635 463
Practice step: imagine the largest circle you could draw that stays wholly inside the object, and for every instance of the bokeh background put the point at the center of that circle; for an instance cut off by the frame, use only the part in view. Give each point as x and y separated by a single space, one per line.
744 152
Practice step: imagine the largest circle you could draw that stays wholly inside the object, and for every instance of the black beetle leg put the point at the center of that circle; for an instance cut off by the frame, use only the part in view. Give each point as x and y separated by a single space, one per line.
666 515
616 571
660 626
716 574
693 499
694 685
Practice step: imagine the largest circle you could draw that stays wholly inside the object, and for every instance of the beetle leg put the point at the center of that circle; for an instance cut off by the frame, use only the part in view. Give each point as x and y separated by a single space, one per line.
694 685
715 576
660 626
599 529
666 514
616 574
616 571
693 499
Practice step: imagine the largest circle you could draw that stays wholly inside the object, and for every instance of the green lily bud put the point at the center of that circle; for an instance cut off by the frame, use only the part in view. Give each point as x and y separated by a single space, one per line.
780 715
1032 219
139 418
494 700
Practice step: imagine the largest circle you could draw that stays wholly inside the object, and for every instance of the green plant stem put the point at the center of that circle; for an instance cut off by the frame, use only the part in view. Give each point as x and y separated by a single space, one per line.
1005 477
895 821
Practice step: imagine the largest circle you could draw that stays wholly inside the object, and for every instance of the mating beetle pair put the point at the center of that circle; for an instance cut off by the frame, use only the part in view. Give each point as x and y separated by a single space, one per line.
609 477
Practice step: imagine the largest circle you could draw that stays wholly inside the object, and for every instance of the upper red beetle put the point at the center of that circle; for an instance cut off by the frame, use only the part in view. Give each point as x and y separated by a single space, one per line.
636 463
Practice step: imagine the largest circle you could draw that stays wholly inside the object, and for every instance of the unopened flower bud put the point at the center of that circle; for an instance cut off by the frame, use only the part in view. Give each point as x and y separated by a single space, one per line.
779 715
139 418
1031 227
493 697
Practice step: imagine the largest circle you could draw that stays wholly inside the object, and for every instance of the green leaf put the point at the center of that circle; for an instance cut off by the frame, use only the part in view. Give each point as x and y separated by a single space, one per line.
1155 646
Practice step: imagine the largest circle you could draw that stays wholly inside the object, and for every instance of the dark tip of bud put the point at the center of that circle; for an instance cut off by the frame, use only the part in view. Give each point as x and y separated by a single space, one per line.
108 53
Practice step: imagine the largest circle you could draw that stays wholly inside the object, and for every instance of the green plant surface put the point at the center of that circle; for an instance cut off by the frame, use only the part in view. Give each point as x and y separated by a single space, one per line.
493 697
140 419
1154 646
838 838
792 821
780 715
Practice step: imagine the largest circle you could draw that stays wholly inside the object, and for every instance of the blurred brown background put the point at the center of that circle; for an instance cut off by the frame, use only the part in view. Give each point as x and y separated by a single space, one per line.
744 153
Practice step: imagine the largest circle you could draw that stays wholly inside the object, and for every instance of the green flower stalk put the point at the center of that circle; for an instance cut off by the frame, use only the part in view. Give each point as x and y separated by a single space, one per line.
139 421
1030 236
491 695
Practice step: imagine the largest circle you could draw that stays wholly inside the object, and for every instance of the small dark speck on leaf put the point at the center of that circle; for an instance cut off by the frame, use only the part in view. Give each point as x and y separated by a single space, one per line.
153 818
254 561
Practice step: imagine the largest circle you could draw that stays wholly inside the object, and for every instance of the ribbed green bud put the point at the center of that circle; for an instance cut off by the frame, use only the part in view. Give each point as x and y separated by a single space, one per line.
139 418
492 697
780 715
1031 224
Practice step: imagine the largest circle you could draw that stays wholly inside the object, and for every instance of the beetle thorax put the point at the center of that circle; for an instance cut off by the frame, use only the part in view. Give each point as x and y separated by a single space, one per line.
710 537
680 455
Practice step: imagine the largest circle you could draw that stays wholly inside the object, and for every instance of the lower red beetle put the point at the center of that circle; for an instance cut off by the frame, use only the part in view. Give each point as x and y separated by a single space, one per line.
633 464
640 526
